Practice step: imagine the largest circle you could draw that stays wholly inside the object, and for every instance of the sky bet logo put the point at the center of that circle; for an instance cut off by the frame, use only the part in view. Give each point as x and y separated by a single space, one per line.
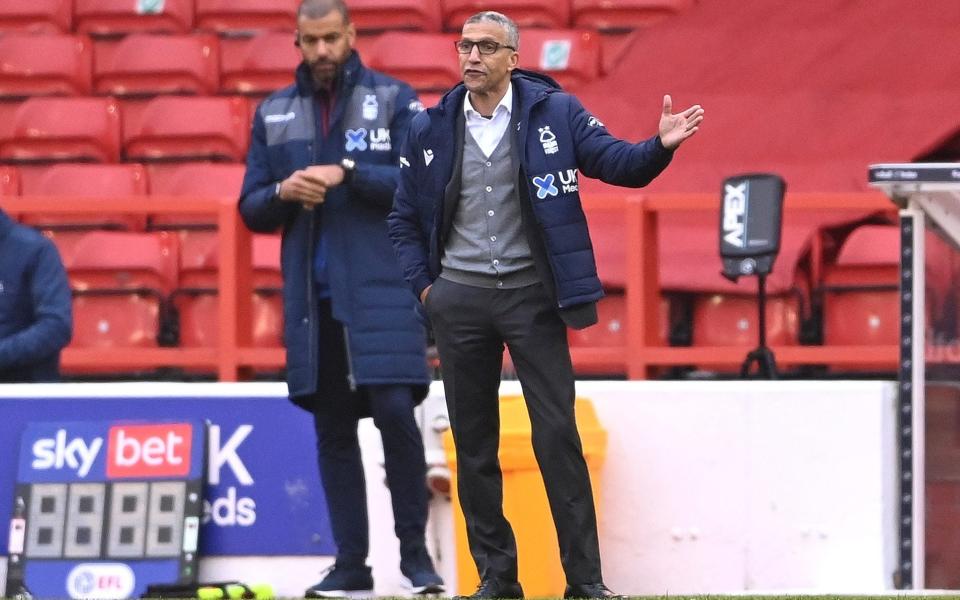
132 451
149 451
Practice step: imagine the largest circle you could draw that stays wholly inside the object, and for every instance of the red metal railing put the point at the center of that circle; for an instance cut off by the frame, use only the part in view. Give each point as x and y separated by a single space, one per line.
643 353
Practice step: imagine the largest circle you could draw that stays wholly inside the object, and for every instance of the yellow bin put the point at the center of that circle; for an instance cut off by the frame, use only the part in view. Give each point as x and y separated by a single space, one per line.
525 499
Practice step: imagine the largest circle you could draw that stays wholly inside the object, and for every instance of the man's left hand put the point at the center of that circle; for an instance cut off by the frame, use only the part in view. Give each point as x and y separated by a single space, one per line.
675 128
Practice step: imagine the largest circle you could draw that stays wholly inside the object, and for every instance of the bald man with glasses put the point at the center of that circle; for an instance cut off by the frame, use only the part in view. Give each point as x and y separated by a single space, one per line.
490 233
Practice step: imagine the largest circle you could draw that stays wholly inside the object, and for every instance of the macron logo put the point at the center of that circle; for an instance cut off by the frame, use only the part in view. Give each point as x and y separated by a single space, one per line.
279 118
149 450
427 157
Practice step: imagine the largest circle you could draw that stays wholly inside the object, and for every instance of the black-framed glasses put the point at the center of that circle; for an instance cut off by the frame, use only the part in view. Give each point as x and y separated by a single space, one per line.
484 46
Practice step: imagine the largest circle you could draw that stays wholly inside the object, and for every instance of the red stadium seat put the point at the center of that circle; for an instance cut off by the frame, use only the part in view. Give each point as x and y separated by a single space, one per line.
108 321
861 318
117 260
394 15
44 65
199 324
571 57
193 179
120 17
120 281
143 63
259 64
86 181
9 181
233 16
200 260
861 299
188 128
62 129
196 299
526 13
427 61
731 320
624 14
36 16
611 332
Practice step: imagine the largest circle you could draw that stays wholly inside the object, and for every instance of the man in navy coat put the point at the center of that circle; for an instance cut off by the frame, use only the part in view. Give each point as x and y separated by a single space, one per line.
35 314
322 167
489 230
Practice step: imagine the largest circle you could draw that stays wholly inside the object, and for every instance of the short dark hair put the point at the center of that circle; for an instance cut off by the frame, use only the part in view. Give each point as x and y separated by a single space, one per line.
316 9
508 25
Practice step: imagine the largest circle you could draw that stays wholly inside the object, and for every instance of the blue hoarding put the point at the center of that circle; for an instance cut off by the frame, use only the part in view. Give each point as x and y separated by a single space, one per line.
263 494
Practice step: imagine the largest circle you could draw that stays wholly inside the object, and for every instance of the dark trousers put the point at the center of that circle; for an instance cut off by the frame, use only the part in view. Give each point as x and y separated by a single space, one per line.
471 326
337 410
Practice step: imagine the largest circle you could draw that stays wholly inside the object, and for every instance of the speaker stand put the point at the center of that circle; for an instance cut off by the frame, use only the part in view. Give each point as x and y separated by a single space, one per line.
761 355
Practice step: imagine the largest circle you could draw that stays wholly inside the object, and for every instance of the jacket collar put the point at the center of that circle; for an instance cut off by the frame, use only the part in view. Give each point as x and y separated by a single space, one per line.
528 88
6 224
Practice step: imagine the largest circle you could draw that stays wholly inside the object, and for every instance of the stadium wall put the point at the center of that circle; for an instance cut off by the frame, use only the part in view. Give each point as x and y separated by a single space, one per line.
705 486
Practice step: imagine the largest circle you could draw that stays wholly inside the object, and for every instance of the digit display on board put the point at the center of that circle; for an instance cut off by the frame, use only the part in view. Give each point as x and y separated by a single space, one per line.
104 509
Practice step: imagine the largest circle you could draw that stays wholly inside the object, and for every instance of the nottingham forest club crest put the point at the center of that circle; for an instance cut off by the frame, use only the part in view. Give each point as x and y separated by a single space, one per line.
548 140
370 107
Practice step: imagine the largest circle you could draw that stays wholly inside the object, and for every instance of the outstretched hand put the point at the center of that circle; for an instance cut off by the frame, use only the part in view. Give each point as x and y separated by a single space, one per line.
675 128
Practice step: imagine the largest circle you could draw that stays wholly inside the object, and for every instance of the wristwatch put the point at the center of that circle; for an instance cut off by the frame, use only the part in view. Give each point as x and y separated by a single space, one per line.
349 167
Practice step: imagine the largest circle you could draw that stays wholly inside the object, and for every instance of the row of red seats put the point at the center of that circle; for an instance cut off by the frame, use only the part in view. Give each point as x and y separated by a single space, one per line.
95 129
131 180
143 290
150 64
857 289
117 17
854 301
125 281
104 129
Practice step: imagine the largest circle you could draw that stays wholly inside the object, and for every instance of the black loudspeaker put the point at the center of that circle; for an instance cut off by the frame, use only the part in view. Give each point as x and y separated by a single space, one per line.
751 209
751 212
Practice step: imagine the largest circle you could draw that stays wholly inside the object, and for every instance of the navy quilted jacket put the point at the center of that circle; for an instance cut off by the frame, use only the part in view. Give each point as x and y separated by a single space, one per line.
386 343
557 141
35 313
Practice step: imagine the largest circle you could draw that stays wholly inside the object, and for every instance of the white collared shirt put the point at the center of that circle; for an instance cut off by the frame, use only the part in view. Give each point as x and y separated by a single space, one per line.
489 132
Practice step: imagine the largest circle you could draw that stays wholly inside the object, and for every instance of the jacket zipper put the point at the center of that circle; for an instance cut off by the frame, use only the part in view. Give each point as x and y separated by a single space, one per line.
312 309
521 134
312 301
346 347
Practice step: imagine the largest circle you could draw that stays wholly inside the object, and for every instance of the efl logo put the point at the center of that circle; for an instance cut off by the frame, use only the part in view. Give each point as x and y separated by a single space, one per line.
149 450
101 580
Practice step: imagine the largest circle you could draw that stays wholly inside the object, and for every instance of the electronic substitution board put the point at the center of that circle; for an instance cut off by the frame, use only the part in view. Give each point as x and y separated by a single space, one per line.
103 509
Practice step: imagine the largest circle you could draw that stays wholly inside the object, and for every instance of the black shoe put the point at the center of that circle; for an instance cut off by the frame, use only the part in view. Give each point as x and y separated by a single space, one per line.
495 588
426 583
343 582
417 568
590 590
